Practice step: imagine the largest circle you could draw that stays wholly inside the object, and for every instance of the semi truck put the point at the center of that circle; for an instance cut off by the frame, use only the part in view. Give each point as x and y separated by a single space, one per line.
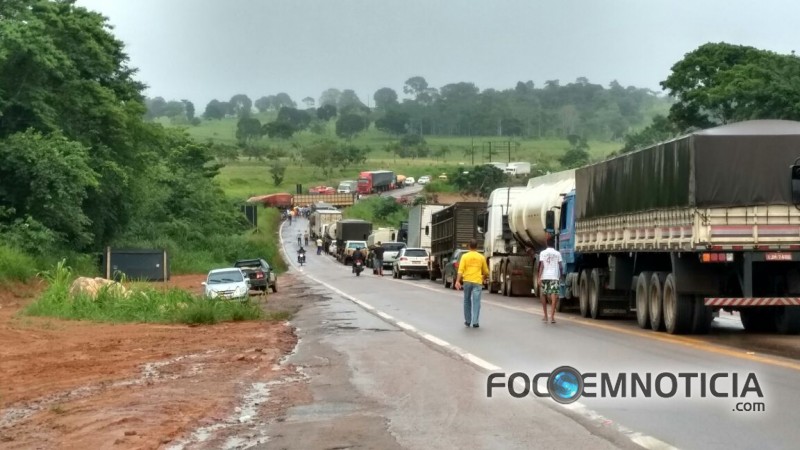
350 230
320 220
511 261
376 181
678 231
452 228
419 225
518 169
510 266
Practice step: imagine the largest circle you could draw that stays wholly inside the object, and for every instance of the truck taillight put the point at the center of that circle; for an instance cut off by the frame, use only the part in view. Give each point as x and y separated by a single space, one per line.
716 257
259 274
403 259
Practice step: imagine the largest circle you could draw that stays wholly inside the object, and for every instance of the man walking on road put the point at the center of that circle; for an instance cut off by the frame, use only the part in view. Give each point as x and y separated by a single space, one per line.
319 246
472 270
305 237
549 276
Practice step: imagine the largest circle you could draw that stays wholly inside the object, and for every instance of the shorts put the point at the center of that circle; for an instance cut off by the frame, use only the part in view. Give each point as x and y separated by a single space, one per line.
550 287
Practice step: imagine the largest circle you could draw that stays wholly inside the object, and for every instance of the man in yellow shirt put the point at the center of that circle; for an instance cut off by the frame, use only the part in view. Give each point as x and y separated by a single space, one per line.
472 269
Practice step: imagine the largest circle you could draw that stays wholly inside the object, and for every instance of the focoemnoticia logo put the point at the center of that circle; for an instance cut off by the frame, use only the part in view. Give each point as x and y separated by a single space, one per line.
566 385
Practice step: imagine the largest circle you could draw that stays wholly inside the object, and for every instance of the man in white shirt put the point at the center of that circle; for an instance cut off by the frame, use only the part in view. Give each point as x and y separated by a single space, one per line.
549 275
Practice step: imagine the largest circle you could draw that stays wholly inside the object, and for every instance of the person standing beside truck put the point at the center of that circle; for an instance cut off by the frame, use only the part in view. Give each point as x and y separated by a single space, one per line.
549 275
377 261
319 246
472 270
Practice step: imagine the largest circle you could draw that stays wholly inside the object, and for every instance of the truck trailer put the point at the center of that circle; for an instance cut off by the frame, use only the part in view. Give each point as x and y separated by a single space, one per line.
452 228
419 225
376 181
338 200
510 266
680 230
320 220
350 230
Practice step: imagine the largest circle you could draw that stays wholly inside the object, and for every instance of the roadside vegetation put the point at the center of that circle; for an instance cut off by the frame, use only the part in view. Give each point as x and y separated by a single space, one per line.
140 303
380 211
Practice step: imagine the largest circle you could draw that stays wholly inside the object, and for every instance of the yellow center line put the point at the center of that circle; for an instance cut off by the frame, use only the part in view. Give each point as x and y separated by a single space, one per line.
657 336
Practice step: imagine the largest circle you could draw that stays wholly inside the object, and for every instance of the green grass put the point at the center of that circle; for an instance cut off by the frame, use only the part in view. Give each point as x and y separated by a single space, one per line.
142 305
223 251
380 211
16 265
245 178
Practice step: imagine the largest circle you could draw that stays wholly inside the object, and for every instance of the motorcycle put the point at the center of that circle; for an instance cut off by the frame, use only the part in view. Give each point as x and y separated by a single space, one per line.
301 258
358 267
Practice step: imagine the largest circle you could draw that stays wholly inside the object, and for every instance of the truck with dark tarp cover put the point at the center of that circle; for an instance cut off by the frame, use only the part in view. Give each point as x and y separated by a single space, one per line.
678 231
350 230
452 228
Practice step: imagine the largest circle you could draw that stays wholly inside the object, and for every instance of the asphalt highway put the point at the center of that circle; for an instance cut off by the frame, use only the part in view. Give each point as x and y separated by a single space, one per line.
512 338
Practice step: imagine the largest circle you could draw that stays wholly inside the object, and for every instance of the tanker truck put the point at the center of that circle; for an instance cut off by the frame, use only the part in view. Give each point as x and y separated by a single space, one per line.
507 259
679 230
515 231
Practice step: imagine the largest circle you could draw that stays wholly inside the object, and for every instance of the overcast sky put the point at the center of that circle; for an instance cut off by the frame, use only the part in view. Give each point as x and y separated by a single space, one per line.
204 49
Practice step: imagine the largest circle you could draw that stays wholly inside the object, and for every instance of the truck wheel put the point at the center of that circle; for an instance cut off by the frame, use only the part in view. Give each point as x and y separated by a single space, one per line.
642 299
655 305
678 308
787 320
594 294
702 317
444 281
583 299
509 283
757 320
274 288
503 281
494 285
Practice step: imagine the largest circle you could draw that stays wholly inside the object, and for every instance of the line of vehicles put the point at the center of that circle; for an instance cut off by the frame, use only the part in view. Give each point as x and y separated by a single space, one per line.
671 234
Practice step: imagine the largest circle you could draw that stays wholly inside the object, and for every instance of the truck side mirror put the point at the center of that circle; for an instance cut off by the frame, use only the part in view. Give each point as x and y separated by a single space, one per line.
427 230
550 221
796 184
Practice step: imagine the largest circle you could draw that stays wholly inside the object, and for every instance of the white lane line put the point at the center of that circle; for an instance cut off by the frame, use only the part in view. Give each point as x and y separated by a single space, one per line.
645 441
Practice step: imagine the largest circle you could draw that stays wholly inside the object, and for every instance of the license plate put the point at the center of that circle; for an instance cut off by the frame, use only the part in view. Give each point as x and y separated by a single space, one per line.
779 256
417 262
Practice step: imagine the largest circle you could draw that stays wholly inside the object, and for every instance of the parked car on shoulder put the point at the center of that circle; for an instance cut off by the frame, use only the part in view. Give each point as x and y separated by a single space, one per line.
260 274
424 179
411 261
450 271
228 284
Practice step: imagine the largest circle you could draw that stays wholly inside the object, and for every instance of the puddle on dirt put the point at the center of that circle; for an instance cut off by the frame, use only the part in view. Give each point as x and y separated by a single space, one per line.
149 373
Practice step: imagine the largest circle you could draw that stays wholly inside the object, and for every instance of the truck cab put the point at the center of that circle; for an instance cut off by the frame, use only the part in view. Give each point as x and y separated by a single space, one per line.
561 224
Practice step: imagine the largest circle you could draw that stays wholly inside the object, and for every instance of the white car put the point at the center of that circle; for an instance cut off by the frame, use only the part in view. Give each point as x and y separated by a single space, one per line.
411 261
410 181
230 283
424 179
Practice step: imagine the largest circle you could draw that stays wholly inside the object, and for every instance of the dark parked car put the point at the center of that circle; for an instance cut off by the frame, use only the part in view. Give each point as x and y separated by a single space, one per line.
451 268
259 273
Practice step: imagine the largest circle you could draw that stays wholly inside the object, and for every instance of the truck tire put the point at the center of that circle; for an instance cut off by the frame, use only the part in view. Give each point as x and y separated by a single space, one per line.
702 317
643 299
504 283
787 320
494 286
594 293
677 308
583 287
656 302
510 282
444 281
274 287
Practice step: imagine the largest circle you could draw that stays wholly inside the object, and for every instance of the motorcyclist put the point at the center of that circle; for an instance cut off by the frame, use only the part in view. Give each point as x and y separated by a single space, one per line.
301 254
357 256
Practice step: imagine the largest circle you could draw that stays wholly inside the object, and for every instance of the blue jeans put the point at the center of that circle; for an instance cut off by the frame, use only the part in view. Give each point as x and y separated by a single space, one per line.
472 302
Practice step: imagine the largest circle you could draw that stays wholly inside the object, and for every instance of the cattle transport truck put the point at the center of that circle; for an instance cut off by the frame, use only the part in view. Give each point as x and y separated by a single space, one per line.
682 229
451 229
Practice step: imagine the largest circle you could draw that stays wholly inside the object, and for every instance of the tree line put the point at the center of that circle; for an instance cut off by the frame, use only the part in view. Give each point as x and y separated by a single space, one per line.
81 167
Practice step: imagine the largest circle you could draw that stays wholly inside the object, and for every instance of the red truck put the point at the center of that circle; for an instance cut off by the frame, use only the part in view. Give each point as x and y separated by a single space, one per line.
374 181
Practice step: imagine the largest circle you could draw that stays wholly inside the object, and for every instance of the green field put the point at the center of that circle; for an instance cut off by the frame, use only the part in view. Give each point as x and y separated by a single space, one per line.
248 177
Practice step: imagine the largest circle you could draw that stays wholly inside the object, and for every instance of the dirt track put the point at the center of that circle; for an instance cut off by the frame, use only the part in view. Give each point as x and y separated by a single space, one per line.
81 385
